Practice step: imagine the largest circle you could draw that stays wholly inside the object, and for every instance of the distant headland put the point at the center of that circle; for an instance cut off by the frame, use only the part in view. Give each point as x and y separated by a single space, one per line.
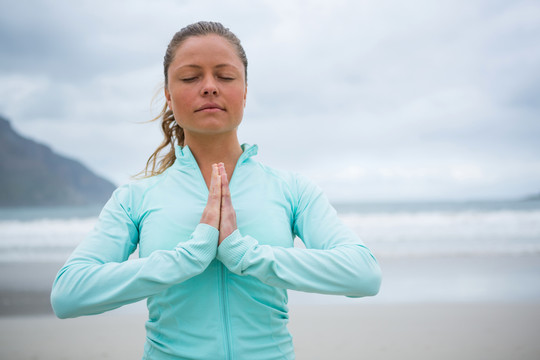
31 174
533 197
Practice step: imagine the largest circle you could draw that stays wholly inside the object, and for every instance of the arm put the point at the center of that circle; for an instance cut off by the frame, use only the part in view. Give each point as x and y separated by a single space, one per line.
97 277
335 261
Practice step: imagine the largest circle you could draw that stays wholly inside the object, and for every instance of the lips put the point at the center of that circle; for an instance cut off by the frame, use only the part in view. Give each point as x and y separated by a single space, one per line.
210 107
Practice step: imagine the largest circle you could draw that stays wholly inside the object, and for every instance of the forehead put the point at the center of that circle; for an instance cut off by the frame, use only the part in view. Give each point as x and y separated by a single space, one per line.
207 49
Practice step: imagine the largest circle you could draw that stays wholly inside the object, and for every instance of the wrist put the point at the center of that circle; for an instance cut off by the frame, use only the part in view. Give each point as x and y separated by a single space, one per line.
232 250
210 220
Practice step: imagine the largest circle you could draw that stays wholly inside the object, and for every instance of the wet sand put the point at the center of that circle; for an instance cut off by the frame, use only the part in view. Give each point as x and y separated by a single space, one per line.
411 327
369 331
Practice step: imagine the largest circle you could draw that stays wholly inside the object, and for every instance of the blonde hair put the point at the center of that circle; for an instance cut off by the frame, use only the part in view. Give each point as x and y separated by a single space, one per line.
173 133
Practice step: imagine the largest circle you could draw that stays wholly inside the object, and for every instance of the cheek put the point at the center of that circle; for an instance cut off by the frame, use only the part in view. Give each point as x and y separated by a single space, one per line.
181 107
238 97
181 100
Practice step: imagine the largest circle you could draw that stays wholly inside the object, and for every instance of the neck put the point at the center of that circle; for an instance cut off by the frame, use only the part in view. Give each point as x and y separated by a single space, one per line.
208 150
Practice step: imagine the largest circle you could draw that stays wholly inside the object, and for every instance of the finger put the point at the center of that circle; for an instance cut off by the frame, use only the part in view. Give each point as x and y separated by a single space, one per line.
215 182
225 190
228 216
214 192
221 169
213 178
227 210
212 212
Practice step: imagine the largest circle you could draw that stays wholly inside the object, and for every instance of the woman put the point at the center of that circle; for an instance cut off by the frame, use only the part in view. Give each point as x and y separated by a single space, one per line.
215 260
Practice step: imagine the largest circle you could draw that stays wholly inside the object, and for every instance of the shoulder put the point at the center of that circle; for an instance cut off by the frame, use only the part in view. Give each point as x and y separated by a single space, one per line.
139 187
298 184
130 195
269 173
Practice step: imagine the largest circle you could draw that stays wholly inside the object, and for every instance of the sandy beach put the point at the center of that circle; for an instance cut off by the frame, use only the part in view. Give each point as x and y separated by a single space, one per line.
371 331
385 327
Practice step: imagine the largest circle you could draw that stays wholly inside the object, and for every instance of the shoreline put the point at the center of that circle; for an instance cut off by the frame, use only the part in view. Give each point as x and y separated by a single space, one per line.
25 287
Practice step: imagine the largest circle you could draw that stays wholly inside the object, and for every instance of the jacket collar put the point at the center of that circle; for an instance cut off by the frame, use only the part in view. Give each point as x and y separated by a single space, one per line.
184 156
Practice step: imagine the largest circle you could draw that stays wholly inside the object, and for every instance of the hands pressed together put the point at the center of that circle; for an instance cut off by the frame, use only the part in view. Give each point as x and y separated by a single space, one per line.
219 211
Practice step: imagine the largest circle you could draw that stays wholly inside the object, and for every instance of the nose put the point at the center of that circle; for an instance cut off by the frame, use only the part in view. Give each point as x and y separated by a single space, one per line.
209 87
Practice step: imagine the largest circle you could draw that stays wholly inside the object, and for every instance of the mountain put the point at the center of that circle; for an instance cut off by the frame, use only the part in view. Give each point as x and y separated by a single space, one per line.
534 197
32 175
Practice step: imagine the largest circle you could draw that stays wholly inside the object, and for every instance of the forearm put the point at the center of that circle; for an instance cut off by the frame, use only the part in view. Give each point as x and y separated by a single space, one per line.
86 285
348 269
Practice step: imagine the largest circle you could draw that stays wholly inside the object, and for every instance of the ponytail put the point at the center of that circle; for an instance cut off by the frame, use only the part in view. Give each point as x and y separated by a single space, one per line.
173 135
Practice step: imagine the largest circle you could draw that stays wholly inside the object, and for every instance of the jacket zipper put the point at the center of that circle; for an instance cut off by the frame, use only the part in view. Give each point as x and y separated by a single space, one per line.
223 278
224 292
225 313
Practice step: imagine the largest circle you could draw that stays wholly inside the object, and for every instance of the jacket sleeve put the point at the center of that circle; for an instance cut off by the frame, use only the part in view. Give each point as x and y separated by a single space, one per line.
335 260
99 277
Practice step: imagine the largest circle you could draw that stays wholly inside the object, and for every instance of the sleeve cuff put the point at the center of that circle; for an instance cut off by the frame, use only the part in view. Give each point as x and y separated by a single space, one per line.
206 231
232 250
203 242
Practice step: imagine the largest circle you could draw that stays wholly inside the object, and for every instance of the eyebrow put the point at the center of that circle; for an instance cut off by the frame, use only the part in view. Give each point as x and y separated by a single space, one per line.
200 67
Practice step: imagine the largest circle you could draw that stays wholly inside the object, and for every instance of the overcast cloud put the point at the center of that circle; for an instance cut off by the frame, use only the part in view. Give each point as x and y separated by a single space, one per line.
371 99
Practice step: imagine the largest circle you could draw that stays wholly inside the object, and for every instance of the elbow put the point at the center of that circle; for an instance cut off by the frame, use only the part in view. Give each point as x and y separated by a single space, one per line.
369 282
61 304
369 275
373 282
63 301
58 305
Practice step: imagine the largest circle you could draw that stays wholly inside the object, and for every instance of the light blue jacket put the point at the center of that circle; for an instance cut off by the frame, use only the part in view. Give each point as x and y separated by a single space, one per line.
207 302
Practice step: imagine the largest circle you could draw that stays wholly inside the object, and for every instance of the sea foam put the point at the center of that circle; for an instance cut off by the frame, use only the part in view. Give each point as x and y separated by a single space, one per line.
388 234
448 233
42 240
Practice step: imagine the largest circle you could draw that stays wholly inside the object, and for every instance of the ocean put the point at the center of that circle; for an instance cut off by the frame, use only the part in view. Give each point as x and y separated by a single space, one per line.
447 229
429 252
398 230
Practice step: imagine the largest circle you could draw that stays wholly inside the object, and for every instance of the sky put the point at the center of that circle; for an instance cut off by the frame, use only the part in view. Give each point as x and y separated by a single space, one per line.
373 100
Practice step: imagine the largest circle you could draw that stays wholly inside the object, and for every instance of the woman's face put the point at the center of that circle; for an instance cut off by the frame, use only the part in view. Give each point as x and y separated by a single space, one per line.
206 86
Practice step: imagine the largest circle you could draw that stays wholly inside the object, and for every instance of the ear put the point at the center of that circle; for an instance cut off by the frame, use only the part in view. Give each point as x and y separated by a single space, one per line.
168 97
245 96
